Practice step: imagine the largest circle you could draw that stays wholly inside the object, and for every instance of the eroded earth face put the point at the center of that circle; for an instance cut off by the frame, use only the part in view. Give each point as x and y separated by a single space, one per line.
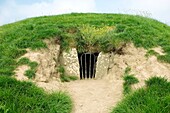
90 96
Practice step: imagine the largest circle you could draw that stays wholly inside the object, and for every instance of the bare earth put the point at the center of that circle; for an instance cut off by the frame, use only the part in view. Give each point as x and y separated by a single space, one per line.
89 96
98 96
94 96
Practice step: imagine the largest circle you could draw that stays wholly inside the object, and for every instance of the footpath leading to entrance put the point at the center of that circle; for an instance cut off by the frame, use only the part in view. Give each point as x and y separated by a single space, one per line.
94 96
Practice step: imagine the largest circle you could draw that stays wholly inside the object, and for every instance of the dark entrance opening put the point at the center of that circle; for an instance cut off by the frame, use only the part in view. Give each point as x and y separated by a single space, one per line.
87 62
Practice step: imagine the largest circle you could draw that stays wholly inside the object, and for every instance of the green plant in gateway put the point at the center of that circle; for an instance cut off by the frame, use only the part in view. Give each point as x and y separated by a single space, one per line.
73 78
64 77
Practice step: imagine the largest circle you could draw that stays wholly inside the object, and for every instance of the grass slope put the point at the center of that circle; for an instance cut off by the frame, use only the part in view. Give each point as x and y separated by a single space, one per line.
86 32
155 98
25 97
95 32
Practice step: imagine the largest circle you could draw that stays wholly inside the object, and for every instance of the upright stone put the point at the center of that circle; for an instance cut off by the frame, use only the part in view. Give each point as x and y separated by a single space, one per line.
103 65
70 62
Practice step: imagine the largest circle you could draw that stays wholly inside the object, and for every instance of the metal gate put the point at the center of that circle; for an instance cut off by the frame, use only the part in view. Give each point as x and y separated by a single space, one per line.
87 65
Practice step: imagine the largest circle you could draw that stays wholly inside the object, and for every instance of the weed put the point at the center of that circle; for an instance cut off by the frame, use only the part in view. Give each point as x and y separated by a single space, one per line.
64 77
23 61
164 58
73 77
61 69
151 52
127 70
26 61
33 65
129 80
30 73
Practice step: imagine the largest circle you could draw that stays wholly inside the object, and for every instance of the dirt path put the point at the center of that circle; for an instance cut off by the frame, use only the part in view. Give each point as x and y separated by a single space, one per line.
94 96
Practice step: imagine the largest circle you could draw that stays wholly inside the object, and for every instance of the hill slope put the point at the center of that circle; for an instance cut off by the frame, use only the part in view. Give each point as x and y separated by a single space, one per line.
86 32
94 32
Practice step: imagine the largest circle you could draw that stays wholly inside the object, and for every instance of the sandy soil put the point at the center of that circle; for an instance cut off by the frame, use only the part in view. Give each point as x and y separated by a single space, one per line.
94 96
89 96
20 70
99 96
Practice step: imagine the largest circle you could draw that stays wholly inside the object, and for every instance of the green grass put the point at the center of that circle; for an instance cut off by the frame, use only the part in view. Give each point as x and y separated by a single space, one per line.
127 70
25 97
129 80
151 53
67 78
30 73
73 78
33 67
155 98
64 77
86 32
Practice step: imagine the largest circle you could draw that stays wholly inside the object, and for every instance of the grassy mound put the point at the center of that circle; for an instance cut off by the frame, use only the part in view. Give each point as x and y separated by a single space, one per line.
155 98
86 32
25 97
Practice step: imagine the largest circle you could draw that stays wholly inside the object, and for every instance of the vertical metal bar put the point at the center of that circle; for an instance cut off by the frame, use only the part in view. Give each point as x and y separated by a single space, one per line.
94 65
85 66
90 66
82 75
